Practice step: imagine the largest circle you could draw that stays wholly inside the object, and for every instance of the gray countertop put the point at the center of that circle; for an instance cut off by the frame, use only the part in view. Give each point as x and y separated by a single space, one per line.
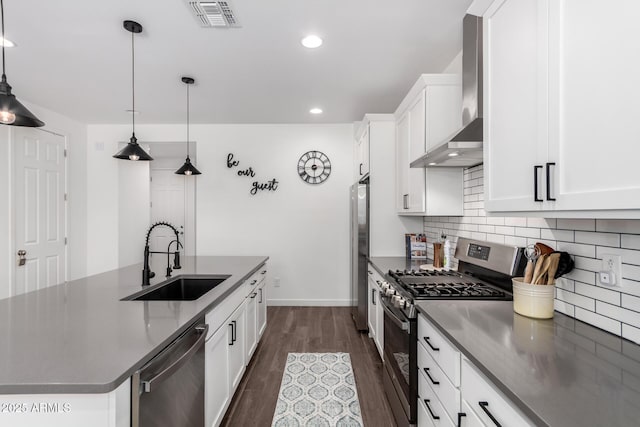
559 372
79 337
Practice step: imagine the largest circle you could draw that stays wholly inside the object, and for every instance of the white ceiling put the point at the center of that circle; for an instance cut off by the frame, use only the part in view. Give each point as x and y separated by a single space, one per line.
74 57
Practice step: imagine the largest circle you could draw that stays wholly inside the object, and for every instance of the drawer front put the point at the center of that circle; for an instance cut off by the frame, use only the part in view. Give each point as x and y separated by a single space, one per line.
470 419
429 407
444 389
373 275
441 350
487 401
252 283
219 314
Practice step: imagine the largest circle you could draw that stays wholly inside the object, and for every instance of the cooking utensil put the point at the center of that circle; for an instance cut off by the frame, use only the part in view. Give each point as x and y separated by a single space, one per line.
565 264
531 252
537 272
541 279
544 249
554 261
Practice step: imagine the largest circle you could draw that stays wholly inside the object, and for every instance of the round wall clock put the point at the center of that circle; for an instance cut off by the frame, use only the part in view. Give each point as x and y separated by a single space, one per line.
314 167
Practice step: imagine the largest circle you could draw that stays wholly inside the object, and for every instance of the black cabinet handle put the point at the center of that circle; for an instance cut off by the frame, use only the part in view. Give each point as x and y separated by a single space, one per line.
460 415
373 296
426 371
260 300
549 182
253 295
233 331
434 416
426 339
485 408
405 203
535 183
360 168
231 343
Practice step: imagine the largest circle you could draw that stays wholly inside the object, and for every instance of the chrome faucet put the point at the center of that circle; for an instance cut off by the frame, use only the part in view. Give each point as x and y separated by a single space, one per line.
147 274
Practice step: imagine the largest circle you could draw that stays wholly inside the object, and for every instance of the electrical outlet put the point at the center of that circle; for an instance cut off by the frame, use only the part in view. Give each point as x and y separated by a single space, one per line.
276 282
612 266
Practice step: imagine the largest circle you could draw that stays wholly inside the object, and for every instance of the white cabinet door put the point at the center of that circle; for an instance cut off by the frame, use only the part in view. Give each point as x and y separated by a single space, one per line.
237 347
402 165
363 153
417 146
379 340
515 104
217 390
251 324
593 104
371 312
262 309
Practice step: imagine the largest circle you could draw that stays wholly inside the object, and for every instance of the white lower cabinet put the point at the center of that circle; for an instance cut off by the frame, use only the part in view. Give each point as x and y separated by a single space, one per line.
468 417
231 343
486 401
375 311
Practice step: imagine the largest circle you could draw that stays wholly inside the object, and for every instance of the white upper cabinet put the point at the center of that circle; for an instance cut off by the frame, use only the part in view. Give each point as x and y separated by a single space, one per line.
429 114
560 107
362 138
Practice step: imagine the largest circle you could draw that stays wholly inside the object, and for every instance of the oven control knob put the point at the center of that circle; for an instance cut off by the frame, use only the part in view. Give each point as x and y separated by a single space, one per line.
411 309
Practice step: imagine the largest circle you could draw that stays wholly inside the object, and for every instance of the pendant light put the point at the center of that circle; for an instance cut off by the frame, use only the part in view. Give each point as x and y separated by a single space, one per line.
133 151
12 112
188 168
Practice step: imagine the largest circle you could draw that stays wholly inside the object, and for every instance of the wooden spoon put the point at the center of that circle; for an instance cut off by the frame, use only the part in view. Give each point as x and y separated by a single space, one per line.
542 278
544 249
538 270
554 261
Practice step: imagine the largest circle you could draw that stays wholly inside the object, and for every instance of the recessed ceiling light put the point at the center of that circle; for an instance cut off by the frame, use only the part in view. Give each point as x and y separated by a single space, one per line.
316 111
432 164
454 154
312 42
6 43
132 111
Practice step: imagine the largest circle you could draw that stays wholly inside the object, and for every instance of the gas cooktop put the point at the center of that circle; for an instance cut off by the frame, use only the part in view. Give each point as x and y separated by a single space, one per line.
423 285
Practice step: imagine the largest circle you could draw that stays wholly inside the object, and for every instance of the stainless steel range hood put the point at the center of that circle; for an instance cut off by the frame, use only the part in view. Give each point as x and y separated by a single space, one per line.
464 148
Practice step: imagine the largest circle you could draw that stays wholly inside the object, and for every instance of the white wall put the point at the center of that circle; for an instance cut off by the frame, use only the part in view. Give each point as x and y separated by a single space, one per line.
303 228
76 136
455 67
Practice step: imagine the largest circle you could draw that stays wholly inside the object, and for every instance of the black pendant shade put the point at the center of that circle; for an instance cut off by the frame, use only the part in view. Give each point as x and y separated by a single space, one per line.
12 112
188 168
133 150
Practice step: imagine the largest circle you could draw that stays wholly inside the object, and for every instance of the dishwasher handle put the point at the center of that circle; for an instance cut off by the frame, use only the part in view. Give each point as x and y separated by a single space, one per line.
149 385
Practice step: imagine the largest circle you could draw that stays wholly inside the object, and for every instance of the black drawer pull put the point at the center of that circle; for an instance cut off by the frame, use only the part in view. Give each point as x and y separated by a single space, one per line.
426 371
535 184
434 416
485 408
431 345
232 340
460 415
549 182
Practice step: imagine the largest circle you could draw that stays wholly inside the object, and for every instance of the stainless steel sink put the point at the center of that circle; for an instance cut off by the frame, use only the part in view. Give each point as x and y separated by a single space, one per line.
179 289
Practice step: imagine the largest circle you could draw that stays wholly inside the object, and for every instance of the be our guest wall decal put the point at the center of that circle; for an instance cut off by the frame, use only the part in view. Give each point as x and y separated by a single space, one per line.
271 185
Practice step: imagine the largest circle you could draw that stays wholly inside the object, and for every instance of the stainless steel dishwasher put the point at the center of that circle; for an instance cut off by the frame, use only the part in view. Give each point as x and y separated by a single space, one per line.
169 389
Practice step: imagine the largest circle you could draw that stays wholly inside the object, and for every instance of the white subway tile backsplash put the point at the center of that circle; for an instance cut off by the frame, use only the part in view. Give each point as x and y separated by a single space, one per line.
601 239
625 316
577 224
631 302
631 241
575 299
527 232
563 235
631 226
598 293
631 333
614 309
518 222
599 321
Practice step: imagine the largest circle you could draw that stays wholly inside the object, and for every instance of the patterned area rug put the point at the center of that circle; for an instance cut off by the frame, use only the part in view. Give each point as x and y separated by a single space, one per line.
318 390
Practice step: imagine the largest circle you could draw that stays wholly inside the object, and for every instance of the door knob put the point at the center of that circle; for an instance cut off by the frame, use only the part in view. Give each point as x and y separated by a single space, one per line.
22 257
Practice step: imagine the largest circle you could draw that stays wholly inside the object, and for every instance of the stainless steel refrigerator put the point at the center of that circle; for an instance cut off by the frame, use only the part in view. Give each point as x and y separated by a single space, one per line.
359 252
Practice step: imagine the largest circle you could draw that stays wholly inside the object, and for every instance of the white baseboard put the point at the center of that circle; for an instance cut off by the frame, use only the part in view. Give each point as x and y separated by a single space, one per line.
310 302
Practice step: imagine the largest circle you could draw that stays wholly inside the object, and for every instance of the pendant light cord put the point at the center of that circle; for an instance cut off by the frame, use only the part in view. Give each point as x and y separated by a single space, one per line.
133 84
3 39
187 119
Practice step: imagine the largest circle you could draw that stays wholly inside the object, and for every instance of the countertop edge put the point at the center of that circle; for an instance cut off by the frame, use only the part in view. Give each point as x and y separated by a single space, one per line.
92 388
526 410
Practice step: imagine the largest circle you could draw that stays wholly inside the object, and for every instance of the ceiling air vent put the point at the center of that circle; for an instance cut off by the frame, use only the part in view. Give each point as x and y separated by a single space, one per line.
217 14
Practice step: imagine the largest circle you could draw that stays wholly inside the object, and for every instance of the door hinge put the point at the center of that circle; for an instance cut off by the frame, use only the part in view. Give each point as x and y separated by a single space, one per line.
65 240
64 152
150 204
66 197
150 179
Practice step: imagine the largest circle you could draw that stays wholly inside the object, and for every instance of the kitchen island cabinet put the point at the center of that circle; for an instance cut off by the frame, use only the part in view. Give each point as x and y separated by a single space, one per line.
80 342
557 123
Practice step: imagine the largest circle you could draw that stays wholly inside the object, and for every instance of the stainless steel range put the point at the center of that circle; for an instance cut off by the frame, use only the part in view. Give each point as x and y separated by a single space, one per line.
484 273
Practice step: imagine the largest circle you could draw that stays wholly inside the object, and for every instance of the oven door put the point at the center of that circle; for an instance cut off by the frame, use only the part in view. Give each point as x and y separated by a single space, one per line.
400 360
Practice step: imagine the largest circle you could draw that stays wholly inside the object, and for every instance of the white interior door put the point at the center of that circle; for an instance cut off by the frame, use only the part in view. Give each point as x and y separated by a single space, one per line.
171 195
39 209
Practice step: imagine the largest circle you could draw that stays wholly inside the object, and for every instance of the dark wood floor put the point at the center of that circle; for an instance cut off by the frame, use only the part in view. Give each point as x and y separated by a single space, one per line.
308 330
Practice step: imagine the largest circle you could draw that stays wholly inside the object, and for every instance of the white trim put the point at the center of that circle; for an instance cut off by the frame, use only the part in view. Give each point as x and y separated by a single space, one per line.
310 302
